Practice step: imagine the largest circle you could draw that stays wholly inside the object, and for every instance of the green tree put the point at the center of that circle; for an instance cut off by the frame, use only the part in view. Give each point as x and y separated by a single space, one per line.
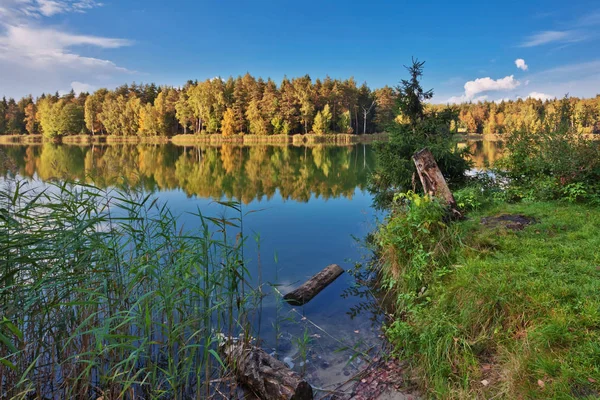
184 112
394 167
344 122
322 121
3 109
411 96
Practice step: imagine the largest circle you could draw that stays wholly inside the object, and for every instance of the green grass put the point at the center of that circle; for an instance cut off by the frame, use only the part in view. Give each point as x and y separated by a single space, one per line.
519 310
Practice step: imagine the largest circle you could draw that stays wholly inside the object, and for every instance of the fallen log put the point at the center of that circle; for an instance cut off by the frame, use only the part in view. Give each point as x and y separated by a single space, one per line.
433 181
314 285
267 377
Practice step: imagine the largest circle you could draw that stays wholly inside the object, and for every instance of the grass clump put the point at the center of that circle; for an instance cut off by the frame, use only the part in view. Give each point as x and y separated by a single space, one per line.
106 295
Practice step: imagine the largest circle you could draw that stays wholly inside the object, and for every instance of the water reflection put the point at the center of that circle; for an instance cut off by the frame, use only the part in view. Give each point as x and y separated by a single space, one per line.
484 153
229 171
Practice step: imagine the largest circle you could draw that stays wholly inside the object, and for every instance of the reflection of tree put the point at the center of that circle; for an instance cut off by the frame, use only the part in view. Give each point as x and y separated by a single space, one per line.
245 173
485 153
61 162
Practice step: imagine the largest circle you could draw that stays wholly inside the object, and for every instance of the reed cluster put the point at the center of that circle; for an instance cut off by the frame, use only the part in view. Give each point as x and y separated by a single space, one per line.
105 295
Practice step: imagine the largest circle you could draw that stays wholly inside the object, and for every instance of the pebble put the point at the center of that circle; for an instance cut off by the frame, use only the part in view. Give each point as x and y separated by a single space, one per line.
288 361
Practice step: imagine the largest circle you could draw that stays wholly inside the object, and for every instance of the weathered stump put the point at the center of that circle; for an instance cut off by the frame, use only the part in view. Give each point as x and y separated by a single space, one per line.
314 285
433 181
266 376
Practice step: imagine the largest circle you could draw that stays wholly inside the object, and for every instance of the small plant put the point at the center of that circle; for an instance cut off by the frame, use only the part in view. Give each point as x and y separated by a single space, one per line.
575 192
303 343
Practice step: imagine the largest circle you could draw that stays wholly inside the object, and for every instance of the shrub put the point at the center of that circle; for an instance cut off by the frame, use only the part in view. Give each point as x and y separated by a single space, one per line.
557 164
415 245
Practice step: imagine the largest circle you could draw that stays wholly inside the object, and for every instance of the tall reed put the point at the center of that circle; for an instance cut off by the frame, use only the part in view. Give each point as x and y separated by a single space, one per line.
105 294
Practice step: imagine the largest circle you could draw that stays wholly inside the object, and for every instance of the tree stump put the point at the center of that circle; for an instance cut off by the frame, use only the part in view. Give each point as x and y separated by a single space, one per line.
433 181
314 285
266 376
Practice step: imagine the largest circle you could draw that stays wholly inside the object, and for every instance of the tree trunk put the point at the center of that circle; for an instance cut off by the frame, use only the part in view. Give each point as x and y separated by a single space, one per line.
266 376
433 181
314 285
365 112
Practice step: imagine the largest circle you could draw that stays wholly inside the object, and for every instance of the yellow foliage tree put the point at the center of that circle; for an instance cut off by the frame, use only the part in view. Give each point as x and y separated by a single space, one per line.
228 123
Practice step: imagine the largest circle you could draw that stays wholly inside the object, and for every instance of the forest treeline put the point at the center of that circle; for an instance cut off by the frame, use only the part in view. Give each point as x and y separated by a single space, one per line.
246 105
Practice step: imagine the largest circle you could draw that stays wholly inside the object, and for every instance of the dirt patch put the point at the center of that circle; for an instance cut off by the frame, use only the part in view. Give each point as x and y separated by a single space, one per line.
382 380
515 222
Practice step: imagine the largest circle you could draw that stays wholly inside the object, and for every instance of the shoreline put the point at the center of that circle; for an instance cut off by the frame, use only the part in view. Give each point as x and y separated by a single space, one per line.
185 140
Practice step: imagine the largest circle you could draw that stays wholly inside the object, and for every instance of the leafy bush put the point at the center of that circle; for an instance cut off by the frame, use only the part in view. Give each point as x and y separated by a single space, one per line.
553 165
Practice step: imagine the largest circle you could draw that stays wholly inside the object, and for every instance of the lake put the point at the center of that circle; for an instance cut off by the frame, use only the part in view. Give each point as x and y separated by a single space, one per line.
303 209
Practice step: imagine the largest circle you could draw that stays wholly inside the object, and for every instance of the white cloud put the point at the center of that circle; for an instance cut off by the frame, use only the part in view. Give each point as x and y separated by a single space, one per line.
546 37
44 8
488 84
540 96
80 87
49 48
35 58
578 80
481 85
520 63
465 99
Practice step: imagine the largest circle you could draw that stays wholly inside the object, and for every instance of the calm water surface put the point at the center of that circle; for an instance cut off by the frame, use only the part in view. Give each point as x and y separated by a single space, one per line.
312 203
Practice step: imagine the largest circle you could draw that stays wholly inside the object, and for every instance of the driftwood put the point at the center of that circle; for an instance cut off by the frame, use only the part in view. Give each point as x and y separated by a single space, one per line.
267 377
314 285
433 181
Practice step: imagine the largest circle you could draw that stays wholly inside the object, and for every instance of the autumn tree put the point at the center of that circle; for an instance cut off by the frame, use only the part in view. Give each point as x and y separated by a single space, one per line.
228 124
93 109
31 121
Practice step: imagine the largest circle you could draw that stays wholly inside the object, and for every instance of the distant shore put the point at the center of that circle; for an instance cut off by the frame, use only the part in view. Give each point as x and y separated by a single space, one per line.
218 139
214 139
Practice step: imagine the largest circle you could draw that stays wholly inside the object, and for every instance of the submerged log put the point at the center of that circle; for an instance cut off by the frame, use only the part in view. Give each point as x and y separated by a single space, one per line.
267 377
433 181
314 285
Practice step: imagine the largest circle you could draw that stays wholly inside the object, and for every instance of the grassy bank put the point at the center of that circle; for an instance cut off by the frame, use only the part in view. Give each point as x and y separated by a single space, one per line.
491 312
21 139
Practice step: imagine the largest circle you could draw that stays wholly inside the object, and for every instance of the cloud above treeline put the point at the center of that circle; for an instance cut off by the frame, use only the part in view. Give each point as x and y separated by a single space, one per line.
474 88
36 57
520 63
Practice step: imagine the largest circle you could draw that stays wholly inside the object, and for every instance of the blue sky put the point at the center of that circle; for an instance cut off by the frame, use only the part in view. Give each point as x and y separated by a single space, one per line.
470 47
